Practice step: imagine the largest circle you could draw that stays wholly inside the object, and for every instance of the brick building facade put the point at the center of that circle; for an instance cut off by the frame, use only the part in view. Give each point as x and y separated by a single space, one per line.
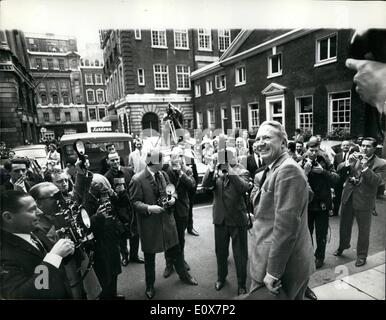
55 66
297 77
147 69
18 113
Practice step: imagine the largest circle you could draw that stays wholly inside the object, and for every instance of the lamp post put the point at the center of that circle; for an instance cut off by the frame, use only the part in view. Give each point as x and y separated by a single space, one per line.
19 112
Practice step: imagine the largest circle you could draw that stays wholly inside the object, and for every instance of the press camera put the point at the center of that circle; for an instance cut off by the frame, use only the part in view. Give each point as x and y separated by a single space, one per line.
163 200
77 223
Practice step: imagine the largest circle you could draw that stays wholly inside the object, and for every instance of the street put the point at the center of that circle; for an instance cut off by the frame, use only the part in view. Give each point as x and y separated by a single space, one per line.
200 254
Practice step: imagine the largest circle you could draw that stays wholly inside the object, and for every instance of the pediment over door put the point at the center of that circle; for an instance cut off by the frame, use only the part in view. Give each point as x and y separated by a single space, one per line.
274 89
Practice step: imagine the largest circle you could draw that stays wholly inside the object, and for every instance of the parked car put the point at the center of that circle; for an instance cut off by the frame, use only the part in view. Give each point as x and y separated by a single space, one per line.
36 152
95 145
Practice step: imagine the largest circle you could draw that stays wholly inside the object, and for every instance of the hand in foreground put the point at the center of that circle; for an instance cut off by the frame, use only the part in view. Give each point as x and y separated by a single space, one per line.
63 248
272 284
155 209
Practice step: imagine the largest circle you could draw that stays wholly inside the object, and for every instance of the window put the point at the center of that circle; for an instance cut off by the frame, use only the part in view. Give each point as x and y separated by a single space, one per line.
221 82
158 38
80 115
50 63
90 96
88 78
96 63
56 114
67 116
92 114
98 79
254 118
46 117
137 34
181 39
211 119
74 64
87 63
209 86
304 110
38 63
240 76
224 39
55 99
66 100
183 74
101 113
61 64
43 99
100 96
199 119
275 108
340 110
141 76
161 76
197 90
274 65
326 49
224 119
236 117
204 40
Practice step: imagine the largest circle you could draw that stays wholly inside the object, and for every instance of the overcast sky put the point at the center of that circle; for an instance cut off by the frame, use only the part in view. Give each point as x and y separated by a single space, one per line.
83 18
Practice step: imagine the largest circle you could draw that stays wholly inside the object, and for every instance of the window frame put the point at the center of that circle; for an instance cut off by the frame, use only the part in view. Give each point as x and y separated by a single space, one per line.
181 31
97 77
271 99
199 120
328 60
204 34
217 82
298 113
88 78
223 36
272 74
67 113
46 119
234 126
197 90
96 114
237 80
141 83
161 73
158 46
137 34
250 115
87 97
80 116
330 111
103 95
211 118
207 91
183 74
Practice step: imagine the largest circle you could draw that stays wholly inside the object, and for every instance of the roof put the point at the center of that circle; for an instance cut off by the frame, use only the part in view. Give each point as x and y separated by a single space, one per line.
230 57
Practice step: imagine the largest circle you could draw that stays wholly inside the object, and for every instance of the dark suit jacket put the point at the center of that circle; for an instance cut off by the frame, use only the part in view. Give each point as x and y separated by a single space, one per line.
338 159
184 185
229 205
19 260
158 232
252 166
127 172
364 193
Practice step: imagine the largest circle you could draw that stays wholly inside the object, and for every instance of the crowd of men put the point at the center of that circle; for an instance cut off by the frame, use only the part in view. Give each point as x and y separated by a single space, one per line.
287 190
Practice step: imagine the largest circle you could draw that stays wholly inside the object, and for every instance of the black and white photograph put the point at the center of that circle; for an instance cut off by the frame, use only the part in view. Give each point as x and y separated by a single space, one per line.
201 151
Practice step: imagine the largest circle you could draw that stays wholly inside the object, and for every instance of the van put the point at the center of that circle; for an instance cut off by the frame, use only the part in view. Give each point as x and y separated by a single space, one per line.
36 152
95 146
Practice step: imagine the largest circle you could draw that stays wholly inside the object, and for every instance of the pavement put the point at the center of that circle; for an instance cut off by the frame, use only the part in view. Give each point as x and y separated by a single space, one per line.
352 283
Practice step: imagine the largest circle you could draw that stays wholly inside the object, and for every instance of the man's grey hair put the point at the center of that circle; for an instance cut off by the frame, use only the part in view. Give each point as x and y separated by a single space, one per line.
279 128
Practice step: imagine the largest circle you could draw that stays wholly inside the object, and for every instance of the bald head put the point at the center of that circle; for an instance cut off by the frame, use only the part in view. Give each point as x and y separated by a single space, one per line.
45 195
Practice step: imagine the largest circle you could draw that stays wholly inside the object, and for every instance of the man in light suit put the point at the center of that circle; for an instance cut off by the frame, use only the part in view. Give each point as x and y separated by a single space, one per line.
363 177
156 224
281 254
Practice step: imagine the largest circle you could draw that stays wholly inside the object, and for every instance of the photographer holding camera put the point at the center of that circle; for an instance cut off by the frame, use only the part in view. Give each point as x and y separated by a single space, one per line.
363 172
27 258
321 178
156 222
181 177
230 182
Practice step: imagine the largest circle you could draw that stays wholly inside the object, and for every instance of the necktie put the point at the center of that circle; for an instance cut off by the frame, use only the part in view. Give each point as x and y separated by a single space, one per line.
260 162
158 181
38 243
264 176
344 156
